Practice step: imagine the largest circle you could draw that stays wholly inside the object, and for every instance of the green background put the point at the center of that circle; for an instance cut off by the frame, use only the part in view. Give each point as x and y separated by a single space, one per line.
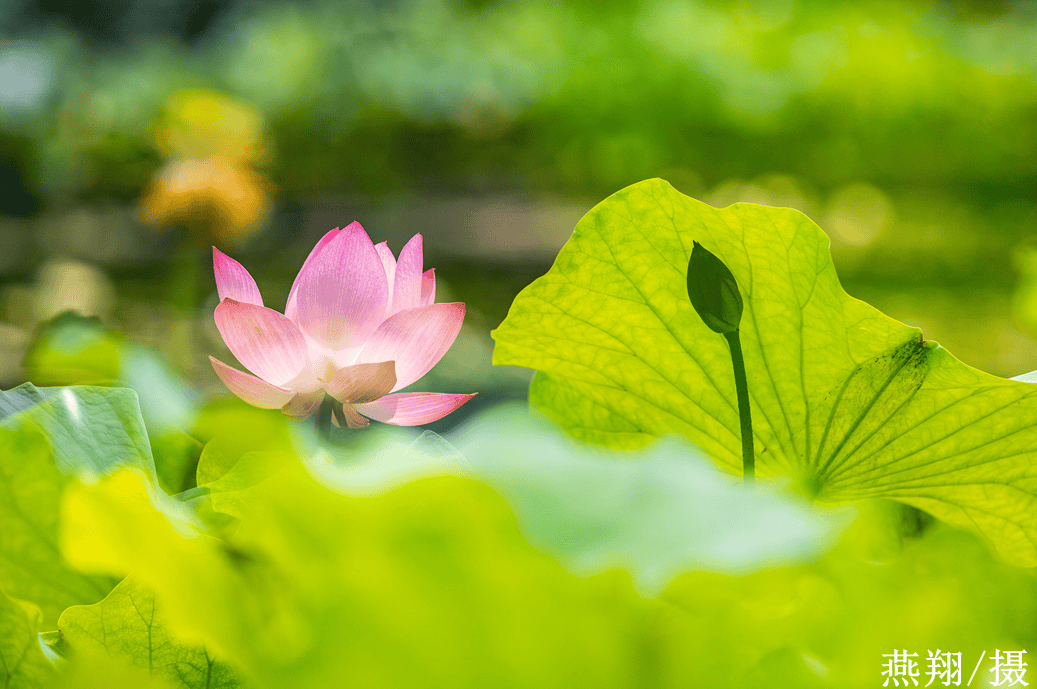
907 131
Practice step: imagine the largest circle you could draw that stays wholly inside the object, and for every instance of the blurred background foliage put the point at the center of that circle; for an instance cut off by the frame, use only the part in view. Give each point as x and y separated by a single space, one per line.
132 134
135 134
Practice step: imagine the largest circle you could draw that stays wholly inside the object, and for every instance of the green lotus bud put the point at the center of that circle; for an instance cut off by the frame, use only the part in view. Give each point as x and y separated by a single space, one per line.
713 291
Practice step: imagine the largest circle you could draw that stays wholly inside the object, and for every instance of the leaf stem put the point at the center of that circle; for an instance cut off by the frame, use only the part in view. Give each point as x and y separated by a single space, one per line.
744 415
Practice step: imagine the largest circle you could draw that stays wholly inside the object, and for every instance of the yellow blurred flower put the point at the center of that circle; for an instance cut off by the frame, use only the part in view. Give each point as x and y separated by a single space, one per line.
199 123
221 200
210 183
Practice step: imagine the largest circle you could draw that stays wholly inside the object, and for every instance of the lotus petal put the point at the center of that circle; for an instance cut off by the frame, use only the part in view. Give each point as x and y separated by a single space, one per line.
389 263
407 284
342 292
412 408
428 287
264 341
352 418
255 391
362 382
303 404
289 309
233 281
415 339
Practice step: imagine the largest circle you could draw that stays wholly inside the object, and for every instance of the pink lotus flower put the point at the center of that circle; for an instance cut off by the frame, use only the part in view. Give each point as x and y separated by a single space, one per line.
358 326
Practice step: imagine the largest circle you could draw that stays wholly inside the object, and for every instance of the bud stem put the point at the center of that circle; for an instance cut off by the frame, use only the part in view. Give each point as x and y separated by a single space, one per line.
744 415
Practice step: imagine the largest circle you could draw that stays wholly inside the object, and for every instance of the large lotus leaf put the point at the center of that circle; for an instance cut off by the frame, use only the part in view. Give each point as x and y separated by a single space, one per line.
74 350
90 429
22 663
848 401
31 567
127 628
47 436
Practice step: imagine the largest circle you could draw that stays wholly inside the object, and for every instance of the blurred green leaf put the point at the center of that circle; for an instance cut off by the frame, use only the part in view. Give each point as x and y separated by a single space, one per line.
231 428
72 349
785 667
22 663
432 583
1024 301
167 402
428 585
848 401
227 492
95 673
91 430
47 436
834 618
655 513
127 628
31 567
176 459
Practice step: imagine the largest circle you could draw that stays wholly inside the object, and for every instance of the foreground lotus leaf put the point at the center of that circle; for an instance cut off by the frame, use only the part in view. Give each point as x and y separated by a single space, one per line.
846 400
432 581
127 628
49 437
23 664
